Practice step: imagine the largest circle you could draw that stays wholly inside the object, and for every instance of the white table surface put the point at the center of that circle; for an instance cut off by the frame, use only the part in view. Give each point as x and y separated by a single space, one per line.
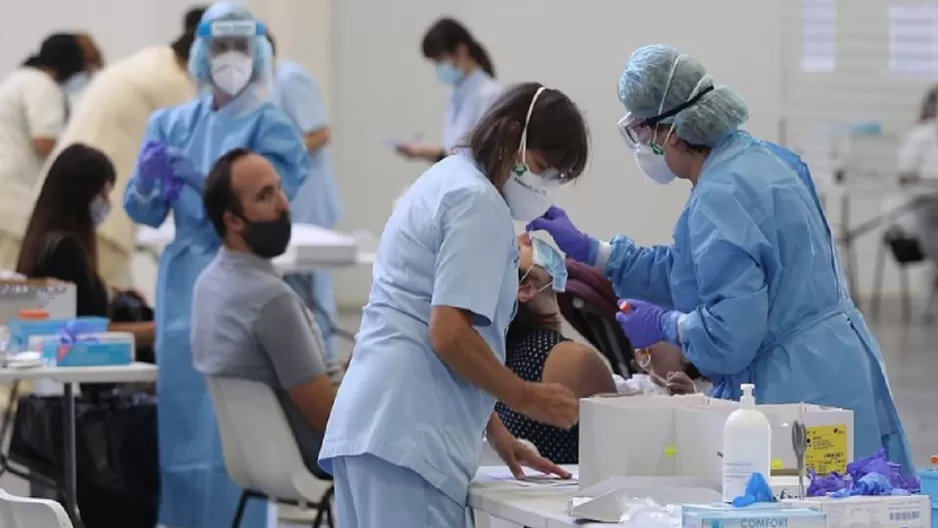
135 372
321 248
497 494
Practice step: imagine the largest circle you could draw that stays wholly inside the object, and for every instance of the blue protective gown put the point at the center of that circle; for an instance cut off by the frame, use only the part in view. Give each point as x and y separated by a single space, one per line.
317 201
754 266
196 492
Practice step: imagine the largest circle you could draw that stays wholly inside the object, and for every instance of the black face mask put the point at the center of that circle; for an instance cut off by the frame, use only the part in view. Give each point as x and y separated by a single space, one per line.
269 239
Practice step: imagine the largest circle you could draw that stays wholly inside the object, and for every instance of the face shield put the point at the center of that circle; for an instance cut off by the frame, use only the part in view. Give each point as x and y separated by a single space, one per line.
231 52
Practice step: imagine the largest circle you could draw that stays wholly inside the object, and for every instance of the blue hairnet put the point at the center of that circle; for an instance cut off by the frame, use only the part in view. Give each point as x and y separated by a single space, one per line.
647 79
199 66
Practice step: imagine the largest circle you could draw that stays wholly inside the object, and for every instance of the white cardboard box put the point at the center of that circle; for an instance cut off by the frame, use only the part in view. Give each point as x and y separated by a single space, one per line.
632 435
654 435
699 438
912 511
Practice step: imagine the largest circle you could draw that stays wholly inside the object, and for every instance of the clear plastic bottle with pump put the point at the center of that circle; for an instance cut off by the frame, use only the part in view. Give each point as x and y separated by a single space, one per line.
747 445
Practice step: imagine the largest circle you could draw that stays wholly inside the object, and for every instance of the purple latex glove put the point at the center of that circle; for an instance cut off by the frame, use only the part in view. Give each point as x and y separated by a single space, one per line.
878 463
153 168
577 245
184 170
822 485
646 324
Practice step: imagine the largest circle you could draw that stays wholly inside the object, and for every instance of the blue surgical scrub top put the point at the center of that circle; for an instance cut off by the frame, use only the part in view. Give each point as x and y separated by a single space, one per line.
449 242
471 98
296 92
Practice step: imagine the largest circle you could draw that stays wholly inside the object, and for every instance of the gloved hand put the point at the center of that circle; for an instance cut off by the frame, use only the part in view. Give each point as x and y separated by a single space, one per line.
153 168
646 324
570 240
184 170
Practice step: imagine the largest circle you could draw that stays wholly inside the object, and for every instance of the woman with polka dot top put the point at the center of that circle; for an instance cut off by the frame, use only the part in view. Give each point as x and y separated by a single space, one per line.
537 351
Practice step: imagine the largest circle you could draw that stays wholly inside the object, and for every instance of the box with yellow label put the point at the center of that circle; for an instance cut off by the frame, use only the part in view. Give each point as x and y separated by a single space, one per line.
699 439
632 435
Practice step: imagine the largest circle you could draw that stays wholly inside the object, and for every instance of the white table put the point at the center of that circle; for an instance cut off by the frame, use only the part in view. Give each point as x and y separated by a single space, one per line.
68 376
520 504
311 247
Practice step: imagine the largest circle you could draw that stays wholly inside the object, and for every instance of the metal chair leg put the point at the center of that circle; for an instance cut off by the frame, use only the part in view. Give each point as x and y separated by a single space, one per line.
324 509
906 297
878 281
242 503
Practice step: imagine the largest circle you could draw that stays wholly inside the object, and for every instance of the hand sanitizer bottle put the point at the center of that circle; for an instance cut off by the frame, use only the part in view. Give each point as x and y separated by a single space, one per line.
747 445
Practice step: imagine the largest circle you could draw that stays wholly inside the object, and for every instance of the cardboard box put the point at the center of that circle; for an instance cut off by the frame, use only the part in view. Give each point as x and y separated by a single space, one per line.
54 296
632 435
911 511
777 517
699 438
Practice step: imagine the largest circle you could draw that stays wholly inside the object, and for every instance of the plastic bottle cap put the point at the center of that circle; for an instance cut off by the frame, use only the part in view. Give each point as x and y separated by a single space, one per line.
33 314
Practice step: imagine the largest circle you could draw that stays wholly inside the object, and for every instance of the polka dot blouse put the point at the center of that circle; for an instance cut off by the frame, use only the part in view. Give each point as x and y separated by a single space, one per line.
526 357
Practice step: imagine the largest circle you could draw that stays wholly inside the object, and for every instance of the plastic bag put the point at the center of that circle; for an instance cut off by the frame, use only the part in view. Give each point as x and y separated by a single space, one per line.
646 513
116 454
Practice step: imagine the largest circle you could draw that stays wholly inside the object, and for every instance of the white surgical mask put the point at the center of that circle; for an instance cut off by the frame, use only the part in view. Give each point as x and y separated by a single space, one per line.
100 210
654 166
231 71
528 194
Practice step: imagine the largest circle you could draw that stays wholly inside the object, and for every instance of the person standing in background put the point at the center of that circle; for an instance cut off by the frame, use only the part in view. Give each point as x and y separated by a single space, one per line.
231 61
32 117
112 118
461 62
94 62
317 202
918 171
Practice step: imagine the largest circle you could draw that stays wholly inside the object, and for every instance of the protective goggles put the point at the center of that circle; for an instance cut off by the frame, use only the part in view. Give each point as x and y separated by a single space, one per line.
639 132
231 28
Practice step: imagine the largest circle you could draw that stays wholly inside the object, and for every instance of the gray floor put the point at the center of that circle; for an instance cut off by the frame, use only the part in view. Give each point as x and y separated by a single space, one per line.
911 355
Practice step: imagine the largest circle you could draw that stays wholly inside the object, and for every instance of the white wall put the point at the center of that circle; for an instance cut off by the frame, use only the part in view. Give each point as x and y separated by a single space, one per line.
383 86
120 27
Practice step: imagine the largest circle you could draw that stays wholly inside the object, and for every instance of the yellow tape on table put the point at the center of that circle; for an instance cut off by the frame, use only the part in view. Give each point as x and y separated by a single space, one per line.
827 448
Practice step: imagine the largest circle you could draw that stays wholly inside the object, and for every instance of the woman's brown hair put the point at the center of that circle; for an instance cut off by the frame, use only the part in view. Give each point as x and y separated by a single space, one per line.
556 129
63 209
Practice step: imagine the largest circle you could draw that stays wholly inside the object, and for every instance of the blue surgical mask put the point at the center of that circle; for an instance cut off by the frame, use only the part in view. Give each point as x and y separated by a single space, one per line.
77 83
448 74
99 211
552 261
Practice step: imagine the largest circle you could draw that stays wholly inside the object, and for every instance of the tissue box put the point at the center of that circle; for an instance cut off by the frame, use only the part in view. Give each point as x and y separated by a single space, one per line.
911 511
633 435
111 348
21 330
768 516
699 438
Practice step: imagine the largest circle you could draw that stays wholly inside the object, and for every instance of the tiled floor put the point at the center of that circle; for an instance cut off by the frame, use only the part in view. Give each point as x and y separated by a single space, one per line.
911 356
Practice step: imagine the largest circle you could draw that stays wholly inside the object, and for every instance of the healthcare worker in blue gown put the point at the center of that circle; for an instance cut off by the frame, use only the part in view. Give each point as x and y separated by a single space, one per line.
751 287
462 63
406 428
318 201
231 60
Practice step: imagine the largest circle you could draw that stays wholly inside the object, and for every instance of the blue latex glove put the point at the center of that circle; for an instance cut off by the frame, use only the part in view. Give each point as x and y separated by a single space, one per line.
646 324
184 170
577 245
153 168
757 490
